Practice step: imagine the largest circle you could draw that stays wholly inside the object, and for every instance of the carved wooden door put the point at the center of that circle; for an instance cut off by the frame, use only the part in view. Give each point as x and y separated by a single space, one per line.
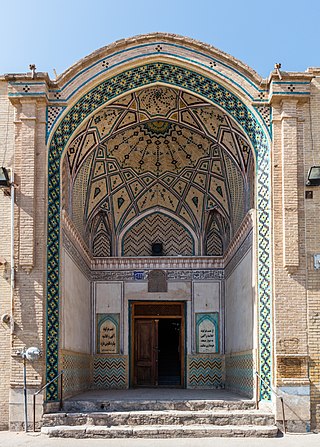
146 352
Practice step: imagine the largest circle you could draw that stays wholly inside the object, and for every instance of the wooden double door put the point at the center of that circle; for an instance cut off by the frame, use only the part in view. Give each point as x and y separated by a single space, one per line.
158 344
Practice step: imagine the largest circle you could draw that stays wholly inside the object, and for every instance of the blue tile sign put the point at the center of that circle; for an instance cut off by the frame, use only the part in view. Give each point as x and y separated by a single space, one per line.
138 276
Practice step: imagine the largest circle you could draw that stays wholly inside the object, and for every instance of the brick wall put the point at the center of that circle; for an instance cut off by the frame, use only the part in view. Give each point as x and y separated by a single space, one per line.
6 159
312 235
22 127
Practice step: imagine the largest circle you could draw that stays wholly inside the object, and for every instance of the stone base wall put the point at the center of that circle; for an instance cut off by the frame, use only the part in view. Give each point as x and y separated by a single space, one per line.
315 390
296 399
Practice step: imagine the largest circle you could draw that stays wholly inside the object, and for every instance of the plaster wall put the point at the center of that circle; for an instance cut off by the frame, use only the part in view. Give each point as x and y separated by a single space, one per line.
206 296
108 297
239 305
76 308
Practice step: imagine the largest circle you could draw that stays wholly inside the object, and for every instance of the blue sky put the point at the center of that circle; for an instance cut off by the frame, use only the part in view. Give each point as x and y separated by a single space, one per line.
56 34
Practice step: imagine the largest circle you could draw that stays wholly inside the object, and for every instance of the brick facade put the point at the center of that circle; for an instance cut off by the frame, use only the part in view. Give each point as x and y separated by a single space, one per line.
31 109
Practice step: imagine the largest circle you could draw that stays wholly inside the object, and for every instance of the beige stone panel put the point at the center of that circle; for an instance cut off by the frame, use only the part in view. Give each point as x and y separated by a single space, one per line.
296 406
17 416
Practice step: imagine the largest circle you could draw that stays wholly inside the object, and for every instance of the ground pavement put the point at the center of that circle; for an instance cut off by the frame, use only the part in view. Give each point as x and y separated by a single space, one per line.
12 439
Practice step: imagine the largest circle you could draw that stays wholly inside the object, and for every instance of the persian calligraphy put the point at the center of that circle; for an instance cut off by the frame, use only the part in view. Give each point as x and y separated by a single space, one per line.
108 343
206 336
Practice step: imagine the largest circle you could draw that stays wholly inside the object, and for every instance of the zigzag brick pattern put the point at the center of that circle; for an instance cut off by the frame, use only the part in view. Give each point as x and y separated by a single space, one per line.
204 372
158 228
101 245
110 372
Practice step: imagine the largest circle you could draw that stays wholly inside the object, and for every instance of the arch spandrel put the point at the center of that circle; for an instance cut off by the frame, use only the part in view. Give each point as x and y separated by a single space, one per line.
201 86
157 47
154 46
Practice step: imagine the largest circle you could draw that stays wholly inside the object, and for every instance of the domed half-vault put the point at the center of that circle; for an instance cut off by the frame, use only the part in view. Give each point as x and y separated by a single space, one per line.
156 159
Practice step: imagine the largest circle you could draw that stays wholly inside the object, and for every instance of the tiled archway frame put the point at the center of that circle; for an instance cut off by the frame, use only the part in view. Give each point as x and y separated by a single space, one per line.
119 84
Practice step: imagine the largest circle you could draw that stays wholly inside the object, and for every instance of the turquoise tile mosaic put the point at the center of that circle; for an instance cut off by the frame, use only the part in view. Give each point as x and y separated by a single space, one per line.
215 93
77 376
240 373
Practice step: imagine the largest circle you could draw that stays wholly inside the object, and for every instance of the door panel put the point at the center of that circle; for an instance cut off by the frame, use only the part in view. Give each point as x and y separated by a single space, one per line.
146 352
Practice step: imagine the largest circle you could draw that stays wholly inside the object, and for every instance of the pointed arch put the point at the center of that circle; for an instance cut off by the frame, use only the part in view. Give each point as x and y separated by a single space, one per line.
199 83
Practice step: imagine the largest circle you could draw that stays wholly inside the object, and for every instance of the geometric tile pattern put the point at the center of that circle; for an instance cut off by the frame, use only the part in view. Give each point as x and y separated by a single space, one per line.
237 191
77 376
79 188
204 371
52 114
202 86
265 112
110 372
160 147
157 227
239 373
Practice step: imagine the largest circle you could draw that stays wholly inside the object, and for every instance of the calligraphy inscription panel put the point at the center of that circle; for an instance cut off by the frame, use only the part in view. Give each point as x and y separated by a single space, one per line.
207 333
108 333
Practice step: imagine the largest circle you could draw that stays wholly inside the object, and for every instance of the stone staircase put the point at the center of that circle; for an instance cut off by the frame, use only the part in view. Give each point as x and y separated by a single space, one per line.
159 419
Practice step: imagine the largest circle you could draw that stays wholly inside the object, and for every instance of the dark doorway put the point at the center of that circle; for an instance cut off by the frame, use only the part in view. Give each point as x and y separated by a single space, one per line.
169 356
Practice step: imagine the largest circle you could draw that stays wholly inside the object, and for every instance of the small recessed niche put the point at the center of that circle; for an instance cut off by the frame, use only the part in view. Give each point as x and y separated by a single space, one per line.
157 249
309 195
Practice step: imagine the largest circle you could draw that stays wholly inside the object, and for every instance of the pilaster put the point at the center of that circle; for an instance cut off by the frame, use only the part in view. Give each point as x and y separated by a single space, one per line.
289 97
30 160
26 143
290 218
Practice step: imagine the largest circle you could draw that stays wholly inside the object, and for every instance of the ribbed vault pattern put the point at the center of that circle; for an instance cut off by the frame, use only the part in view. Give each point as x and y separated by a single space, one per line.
158 148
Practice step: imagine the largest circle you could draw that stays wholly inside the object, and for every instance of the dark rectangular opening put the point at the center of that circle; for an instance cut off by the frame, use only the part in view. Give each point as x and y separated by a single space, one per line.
169 356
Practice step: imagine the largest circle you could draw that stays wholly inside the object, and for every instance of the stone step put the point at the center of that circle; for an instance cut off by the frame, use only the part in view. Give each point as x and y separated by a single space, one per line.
167 417
160 431
155 405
